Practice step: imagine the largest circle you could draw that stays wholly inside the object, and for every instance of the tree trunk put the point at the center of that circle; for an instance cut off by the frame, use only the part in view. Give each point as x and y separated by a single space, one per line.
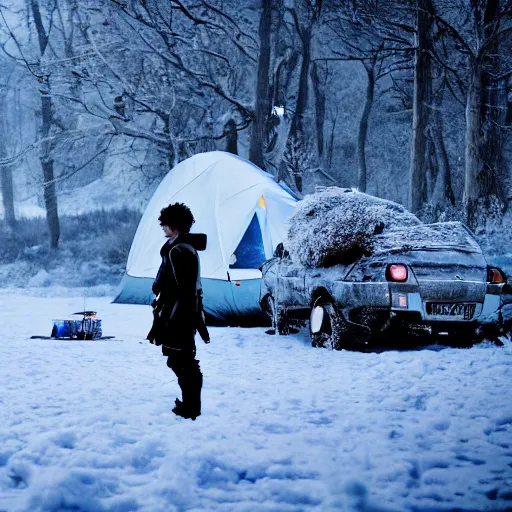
297 132
302 95
431 166
330 147
8 196
319 90
263 100
473 161
172 157
493 111
282 80
363 127
6 182
443 191
421 105
231 137
50 197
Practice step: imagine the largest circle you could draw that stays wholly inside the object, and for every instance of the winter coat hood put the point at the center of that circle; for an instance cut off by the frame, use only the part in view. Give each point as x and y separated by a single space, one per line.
196 240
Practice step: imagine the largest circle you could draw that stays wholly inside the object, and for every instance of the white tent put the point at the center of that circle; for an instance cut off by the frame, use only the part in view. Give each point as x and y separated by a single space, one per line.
242 210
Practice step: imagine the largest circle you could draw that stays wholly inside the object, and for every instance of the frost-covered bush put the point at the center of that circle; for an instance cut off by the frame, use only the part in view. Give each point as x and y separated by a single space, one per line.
41 279
451 213
16 275
93 251
28 233
489 215
338 225
494 232
446 212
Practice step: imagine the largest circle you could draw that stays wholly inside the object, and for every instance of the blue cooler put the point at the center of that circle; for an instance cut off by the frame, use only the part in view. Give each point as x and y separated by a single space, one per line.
65 328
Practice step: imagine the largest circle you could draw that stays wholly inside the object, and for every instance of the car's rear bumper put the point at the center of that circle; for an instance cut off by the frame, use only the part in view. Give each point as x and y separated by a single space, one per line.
381 308
486 312
367 324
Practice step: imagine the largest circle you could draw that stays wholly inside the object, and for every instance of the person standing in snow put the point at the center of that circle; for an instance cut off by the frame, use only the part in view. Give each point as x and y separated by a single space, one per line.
178 306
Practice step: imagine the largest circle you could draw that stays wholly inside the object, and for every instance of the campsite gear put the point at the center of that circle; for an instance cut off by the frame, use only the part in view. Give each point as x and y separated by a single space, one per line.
88 327
242 210
36 337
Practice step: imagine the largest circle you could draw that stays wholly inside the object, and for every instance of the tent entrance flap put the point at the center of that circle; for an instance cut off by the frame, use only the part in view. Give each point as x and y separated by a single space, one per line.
250 252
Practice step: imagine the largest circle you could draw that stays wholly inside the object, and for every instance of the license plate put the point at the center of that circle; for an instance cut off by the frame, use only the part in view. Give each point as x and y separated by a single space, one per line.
465 311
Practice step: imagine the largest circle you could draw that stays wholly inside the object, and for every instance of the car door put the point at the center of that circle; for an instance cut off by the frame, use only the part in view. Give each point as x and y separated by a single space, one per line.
269 271
290 290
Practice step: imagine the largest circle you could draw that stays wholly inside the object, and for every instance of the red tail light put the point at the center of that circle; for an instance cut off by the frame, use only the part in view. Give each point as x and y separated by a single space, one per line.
495 276
397 273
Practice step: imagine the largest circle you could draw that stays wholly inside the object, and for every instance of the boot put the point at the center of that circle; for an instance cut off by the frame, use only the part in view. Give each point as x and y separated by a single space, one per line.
180 410
191 390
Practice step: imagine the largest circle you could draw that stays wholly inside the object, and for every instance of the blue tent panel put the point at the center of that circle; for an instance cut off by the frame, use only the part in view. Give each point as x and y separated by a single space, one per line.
223 301
250 252
134 290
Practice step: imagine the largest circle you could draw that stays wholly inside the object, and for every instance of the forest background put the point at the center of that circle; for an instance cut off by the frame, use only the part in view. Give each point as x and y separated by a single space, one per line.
409 100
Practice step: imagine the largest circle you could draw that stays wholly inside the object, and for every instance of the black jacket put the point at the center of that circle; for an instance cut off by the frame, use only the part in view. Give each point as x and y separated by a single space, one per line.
178 289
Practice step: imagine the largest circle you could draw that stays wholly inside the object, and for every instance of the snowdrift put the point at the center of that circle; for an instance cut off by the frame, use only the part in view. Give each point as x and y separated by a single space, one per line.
339 225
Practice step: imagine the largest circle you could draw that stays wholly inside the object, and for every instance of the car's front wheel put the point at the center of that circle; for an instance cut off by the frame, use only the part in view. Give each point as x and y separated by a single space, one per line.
326 326
278 317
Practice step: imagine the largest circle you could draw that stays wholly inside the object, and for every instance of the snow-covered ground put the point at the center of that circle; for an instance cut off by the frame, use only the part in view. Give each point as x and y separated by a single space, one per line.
87 426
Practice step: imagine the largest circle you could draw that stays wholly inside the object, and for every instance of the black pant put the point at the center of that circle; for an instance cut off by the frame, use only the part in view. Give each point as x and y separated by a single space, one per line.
190 379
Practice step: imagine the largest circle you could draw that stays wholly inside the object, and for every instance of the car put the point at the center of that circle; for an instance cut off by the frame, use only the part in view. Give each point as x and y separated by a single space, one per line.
429 280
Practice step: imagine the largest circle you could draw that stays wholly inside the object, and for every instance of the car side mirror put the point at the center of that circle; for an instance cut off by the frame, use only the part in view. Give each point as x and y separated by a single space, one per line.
279 250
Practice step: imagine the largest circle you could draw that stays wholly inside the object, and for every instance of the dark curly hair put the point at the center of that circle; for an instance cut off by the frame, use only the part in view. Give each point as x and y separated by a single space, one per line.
177 216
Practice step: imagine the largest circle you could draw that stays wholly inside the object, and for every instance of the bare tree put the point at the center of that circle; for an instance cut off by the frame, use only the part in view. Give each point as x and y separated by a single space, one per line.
35 64
305 15
283 94
481 36
6 181
319 77
422 102
47 121
441 191
204 56
262 110
363 33
6 176
486 103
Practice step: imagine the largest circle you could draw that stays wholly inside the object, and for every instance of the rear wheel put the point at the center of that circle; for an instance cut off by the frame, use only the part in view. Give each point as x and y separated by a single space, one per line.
326 327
